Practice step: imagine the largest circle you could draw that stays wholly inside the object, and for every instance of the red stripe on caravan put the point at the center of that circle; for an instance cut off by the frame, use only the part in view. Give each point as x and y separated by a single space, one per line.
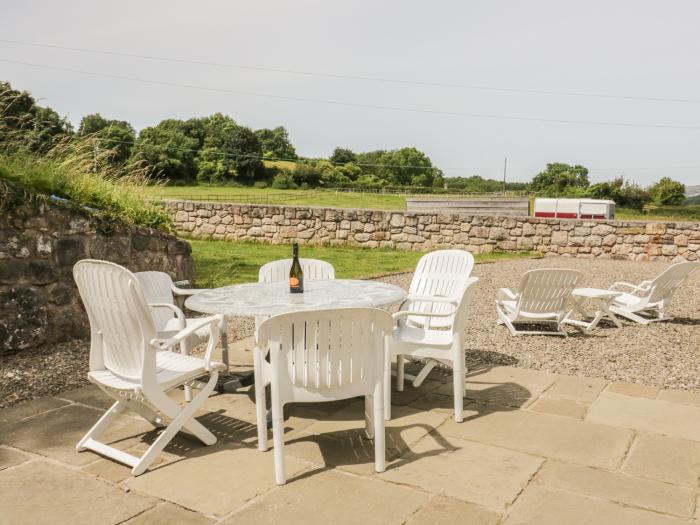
565 215
544 214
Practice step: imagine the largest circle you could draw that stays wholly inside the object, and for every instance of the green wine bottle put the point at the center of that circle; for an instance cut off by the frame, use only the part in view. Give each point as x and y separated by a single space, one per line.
296 274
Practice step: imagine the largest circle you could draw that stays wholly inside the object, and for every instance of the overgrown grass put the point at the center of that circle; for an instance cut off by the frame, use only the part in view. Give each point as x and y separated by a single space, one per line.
73 171
220 263
682 213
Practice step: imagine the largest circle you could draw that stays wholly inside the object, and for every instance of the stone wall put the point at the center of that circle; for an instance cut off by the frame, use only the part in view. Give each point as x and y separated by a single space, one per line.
39 243
423 231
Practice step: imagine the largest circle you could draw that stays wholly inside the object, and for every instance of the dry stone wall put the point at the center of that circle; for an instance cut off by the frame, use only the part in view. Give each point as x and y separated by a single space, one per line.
423 231
40 243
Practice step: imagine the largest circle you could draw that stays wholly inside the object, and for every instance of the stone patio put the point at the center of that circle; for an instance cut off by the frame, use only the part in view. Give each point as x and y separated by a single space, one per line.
535 447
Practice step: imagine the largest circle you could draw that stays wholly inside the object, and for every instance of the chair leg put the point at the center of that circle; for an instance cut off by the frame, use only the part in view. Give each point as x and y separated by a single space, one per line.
379 437
185 350
458 378
387 386
400 365
369 415
260 402
278 439
98 428
423 374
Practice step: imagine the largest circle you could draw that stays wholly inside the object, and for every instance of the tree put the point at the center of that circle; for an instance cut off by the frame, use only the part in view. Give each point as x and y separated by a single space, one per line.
275 143
343 156
558 177
406 166
167 151
25 125
115 135
667 192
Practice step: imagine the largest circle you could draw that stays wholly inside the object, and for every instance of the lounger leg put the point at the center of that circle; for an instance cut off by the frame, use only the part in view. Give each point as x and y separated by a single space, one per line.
629 315
260 402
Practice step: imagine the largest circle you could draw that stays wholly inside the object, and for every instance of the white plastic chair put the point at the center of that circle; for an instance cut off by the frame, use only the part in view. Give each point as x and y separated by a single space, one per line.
322 355
542 298
278 271
444 345
651 297
132 365
438 281
161 293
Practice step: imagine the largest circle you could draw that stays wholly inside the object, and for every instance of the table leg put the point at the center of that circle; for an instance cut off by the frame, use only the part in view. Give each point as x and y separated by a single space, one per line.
606 308
228 382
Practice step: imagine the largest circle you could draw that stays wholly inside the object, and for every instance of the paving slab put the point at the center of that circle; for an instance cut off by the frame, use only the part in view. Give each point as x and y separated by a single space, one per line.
503 385
409 394
215 480
473 472
446 511
332 497
680 396
573 388
560 407
41 492
633 389
619 487
55 433
24 410
545 435
88 395
10 458
169 514
664 458
545 506
649 415
116 472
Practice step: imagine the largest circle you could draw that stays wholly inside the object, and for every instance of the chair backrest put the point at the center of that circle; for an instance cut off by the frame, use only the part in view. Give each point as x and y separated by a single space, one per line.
664 286
547 290
121 324
460 317
278 271
326 354
157 288
442 273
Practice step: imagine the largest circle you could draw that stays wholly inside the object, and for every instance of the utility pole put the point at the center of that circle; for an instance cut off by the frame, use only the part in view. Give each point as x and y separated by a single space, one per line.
505 168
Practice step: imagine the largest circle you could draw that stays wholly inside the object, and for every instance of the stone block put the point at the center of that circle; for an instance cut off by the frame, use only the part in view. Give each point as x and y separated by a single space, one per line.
560 238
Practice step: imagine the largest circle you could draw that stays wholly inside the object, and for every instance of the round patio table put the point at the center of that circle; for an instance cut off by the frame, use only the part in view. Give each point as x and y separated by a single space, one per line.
262 300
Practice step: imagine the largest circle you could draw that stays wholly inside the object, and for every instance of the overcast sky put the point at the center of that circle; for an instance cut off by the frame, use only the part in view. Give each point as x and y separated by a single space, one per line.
630 48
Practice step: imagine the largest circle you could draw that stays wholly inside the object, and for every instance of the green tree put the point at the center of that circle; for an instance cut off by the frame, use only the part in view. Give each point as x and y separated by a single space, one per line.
115 135
275 143
25 125
406 166
559 177
167 151
343 156
667 192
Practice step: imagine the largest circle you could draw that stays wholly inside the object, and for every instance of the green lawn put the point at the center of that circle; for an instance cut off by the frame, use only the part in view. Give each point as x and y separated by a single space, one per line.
327 198
220 263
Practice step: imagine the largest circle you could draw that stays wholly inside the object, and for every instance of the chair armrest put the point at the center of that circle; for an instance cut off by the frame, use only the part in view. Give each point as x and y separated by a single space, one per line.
178 313
643 287
186 291
214 322
408 313
505 293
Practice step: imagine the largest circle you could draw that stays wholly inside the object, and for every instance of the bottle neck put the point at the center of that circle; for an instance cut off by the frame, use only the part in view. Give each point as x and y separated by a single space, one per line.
295 250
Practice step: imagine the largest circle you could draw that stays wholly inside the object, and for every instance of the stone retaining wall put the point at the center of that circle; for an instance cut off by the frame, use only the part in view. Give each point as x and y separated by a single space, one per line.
423 231
40 243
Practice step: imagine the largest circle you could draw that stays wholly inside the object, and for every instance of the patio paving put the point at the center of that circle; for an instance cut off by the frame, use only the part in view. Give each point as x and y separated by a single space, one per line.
535 448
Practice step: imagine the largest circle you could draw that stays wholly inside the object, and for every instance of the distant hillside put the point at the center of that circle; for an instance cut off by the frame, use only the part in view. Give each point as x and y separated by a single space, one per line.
692 191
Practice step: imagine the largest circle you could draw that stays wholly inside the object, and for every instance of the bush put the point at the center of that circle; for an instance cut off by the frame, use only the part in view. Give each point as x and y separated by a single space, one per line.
667 192
283 181
261 184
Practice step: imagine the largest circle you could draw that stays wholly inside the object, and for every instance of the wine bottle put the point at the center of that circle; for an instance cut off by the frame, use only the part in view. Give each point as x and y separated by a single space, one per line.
296 274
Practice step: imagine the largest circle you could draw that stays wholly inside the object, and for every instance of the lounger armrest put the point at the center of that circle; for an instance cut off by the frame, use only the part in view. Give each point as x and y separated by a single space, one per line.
214 322
505 293
178 313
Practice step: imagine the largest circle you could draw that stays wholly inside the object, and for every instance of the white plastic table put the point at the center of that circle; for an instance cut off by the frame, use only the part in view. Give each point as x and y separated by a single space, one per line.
261 300
603 299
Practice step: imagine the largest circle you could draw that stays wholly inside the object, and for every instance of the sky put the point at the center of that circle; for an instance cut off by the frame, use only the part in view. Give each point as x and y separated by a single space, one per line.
467 82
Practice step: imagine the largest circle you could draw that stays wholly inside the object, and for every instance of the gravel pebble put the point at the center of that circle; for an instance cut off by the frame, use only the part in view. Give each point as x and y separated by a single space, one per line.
660 354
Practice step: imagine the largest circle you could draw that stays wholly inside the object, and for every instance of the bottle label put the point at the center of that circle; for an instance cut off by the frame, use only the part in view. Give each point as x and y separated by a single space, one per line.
294 282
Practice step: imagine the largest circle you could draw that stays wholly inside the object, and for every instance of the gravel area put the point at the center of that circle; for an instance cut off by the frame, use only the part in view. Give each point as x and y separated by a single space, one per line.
660 354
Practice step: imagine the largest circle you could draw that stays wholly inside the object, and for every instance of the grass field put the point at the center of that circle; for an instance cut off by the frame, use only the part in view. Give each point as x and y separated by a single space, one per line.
334 199
220 263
